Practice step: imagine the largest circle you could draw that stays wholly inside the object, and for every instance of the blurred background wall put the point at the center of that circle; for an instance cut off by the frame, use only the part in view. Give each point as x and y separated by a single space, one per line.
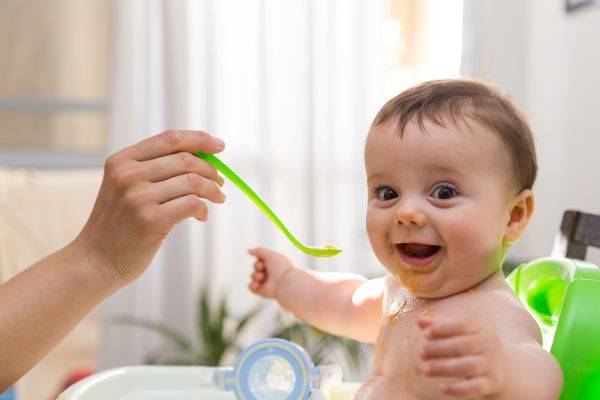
548 60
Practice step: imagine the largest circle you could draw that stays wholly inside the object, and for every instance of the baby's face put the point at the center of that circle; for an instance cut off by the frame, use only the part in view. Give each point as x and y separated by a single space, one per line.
439 204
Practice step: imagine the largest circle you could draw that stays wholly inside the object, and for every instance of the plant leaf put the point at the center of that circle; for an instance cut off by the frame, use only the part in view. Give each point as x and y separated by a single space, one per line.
203 318
245 319
175 337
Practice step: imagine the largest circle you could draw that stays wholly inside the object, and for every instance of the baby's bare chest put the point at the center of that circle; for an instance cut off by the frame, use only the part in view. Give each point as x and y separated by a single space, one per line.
400 338
396 366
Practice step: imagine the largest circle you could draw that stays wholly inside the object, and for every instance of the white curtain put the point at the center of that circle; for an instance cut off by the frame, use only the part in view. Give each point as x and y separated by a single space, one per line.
149 95
292 87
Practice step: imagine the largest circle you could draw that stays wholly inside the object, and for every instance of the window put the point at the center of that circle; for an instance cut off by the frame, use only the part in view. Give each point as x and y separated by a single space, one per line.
54 79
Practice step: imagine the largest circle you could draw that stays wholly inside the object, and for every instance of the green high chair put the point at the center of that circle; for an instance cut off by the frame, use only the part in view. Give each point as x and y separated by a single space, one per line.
563 294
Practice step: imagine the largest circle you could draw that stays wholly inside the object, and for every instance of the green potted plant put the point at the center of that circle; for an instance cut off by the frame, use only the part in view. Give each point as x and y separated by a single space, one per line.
219 331
214 338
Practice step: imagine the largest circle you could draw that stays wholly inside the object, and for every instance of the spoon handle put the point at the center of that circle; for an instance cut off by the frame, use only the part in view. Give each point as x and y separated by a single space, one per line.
260 203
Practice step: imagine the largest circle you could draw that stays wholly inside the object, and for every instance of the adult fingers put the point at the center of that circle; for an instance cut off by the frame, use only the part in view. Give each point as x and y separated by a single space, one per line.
177 210
172 141
186 184
162 168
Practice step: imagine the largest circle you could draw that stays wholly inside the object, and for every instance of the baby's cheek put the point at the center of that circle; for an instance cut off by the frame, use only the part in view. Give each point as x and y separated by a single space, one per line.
371 224
376 232
464 234
475 243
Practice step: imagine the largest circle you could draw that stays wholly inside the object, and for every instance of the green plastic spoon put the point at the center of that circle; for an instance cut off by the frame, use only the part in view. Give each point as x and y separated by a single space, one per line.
317 251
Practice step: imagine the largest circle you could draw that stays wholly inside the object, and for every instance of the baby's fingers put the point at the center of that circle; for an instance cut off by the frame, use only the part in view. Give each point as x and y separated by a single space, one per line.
259 276
452 347
254 286
440 328
259 266
468 388
260 252
469 366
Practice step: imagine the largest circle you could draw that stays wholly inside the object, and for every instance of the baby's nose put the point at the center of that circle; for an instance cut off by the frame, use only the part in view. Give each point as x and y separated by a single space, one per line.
406 216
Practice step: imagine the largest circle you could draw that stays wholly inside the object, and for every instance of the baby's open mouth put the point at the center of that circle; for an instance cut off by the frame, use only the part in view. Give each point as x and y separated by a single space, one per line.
418 254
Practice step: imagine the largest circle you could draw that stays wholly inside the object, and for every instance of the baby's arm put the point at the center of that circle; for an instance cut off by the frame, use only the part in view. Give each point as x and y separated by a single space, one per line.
340 303
533 373
511 367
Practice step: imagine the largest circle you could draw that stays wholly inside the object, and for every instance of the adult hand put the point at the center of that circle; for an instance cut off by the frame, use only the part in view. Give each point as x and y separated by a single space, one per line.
147 189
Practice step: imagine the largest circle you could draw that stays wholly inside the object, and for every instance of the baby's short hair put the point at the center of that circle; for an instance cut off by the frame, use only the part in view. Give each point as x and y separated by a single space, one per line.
464 99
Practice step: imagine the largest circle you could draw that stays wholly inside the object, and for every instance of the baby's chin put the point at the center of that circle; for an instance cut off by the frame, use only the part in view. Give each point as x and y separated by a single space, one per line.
435 284
444 291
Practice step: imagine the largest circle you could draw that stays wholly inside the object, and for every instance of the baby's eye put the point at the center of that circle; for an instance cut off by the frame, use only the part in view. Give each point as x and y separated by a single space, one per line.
444 192
385 193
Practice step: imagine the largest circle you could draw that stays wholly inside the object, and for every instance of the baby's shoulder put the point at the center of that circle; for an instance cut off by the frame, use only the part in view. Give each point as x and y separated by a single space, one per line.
502 308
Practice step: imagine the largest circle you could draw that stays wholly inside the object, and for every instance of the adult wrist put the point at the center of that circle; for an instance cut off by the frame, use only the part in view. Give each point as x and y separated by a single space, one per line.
92 258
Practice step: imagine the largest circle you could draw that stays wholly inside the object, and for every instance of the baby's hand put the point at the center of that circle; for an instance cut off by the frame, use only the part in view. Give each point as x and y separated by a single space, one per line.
269 270
466 348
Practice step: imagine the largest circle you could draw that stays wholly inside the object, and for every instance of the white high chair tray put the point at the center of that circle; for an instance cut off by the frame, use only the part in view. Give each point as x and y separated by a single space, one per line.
148 383
164 383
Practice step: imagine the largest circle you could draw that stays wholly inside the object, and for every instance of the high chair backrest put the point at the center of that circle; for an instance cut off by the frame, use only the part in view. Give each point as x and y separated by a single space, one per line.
563 294
578 230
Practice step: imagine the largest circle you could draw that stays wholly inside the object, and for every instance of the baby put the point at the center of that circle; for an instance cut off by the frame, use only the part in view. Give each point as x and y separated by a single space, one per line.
450 166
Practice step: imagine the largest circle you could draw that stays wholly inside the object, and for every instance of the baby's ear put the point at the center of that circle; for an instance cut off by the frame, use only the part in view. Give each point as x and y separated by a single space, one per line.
520 213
